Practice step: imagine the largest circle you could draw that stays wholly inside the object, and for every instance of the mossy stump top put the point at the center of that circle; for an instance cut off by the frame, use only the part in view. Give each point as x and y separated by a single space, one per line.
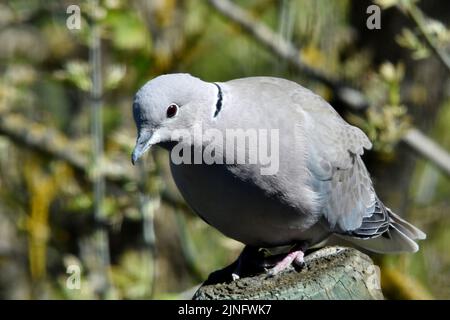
330 273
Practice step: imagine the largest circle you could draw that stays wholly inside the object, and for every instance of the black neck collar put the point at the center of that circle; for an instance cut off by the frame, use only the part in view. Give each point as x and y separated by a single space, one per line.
219 100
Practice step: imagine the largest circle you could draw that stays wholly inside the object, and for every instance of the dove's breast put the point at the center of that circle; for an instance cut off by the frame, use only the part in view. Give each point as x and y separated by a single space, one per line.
243 202
242 210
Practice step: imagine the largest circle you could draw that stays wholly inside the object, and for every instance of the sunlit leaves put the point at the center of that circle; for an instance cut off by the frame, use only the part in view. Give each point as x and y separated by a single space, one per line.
387 119
77 73
410 40
126 30
386 4
114 75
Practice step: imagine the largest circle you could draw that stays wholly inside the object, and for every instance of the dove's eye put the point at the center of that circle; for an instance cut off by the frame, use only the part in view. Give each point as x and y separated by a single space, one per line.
172 110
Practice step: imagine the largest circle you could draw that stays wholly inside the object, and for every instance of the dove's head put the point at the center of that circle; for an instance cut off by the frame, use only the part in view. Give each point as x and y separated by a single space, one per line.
167 103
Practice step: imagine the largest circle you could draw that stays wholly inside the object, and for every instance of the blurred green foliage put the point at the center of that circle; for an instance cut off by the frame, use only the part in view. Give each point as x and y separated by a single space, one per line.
46 207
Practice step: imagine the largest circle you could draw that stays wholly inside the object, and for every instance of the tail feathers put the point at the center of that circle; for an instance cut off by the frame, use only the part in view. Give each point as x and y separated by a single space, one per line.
405 227
399 237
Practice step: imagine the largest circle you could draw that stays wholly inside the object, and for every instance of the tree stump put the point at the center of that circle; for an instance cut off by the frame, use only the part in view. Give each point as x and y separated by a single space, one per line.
330 273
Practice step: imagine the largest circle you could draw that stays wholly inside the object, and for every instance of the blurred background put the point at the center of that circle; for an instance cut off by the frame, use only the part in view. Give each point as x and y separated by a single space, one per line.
78 221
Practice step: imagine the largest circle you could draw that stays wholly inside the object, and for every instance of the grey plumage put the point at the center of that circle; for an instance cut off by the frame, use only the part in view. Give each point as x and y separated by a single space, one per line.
322 186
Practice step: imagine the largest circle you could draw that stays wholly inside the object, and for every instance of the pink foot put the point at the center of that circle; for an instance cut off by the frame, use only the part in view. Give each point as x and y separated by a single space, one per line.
294 257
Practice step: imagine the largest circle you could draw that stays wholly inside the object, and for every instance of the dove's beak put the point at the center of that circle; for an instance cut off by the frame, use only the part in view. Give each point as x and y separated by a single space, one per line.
144 141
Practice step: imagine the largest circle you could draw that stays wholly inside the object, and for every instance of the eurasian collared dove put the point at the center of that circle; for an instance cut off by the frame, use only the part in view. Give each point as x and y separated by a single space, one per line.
320 186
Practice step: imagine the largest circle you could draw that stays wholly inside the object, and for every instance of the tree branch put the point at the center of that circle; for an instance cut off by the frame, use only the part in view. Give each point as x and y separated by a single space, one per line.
351 98
428 149
51 142
417 16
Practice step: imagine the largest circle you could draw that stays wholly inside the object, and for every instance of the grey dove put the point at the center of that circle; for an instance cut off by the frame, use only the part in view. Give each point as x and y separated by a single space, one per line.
321 186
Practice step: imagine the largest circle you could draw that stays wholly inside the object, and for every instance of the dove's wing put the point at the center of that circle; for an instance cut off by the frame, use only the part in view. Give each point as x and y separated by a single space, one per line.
339 176
340 179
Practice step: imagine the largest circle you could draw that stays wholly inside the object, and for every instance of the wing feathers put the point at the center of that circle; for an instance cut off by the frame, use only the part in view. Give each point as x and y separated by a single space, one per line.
343 185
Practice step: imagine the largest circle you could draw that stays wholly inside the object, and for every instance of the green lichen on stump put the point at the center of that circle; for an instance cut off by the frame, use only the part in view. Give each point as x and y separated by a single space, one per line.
330 273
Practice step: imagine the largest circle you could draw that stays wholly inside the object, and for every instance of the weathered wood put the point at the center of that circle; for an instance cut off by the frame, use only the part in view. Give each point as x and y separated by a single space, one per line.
330 273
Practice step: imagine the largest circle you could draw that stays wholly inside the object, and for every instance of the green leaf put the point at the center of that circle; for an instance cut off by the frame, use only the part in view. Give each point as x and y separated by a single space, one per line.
127 31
